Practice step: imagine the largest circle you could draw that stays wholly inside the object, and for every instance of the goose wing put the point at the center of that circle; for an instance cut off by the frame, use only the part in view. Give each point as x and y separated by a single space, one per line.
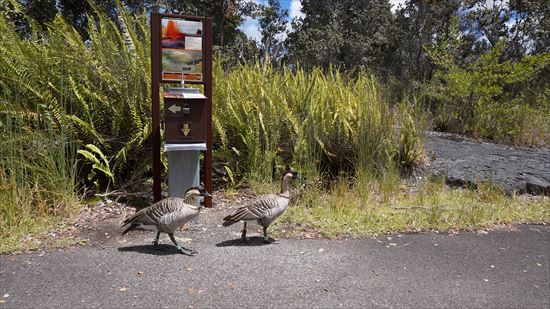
171 221
257 210
152 214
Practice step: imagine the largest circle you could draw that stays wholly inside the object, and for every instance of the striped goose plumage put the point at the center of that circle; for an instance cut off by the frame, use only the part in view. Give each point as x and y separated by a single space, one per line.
265 209
167 215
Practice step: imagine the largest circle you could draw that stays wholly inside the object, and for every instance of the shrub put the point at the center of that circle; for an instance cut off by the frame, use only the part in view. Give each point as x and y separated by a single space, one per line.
492 98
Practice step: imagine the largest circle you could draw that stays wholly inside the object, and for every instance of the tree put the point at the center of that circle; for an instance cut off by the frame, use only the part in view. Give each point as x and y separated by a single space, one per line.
76 11
273 26
523 25
345 34
420 23
28 13
318 37
42 11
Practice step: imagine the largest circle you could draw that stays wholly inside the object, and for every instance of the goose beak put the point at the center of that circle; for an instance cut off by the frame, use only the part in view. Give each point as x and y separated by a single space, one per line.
206 193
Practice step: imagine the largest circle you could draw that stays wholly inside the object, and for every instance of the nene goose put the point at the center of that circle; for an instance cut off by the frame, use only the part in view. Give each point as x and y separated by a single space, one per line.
167 215
265 209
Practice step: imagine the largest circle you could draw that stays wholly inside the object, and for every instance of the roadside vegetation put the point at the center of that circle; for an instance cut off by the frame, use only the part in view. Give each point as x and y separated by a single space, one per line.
493 98
367 208
75 121
74 116
323 123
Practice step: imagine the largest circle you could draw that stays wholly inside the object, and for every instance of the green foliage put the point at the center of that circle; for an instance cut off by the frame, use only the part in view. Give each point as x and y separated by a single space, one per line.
498 81
99 161
323 123
58 93
97 90
37 170
492 98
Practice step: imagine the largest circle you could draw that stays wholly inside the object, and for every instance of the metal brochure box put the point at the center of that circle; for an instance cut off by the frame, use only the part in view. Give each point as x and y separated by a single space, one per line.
185 116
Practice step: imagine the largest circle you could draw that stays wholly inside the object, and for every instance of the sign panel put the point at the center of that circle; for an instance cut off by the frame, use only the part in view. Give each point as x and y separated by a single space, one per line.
182 49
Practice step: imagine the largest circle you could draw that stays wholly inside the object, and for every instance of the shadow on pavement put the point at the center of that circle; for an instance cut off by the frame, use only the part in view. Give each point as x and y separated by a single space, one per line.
150 249
252 242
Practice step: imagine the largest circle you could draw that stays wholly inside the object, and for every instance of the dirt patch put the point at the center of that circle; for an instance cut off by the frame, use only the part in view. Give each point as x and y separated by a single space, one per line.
99 223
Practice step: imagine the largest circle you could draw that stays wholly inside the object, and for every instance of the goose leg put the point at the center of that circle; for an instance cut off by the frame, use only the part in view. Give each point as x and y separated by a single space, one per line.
243 235
156 241
180 248
266 239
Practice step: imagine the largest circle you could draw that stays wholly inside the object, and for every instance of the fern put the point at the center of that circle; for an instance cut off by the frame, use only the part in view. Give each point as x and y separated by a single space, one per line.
98 160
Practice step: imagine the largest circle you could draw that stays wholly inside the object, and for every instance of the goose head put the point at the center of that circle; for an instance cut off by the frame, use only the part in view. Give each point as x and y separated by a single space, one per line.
192 194
288 176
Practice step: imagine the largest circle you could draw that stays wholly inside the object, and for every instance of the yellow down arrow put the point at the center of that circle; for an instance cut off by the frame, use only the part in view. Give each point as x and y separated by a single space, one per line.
186 129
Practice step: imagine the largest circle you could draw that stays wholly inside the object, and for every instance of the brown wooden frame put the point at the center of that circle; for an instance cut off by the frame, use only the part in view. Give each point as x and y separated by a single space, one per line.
156 80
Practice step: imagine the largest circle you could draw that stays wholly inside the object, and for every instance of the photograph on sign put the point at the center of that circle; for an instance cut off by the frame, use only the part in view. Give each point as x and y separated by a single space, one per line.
193 43
180 64
178 33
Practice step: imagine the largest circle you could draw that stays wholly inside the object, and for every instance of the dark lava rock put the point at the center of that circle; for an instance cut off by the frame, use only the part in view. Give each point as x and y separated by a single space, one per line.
465 162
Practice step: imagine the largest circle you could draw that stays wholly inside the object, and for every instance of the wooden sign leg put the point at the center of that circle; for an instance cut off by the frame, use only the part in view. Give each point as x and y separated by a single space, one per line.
155 104
208 93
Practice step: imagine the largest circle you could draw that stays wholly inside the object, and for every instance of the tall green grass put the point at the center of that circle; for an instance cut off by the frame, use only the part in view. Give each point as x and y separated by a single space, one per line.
323 123
37 173
97 89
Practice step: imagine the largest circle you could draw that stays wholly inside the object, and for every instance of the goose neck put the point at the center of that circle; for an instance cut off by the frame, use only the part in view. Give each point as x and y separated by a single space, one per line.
285 188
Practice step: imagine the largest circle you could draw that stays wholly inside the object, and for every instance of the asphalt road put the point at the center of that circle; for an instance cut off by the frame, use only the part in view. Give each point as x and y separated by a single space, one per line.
505 268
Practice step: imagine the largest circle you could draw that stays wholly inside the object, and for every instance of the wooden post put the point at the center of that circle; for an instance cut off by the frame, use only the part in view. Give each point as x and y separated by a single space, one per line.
155 101
207 166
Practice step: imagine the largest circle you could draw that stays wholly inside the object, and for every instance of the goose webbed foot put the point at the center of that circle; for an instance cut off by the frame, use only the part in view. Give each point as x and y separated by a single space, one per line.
181 249
187 251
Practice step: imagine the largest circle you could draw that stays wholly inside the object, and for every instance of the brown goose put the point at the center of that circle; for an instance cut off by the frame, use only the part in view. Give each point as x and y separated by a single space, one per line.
167 215
265 209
